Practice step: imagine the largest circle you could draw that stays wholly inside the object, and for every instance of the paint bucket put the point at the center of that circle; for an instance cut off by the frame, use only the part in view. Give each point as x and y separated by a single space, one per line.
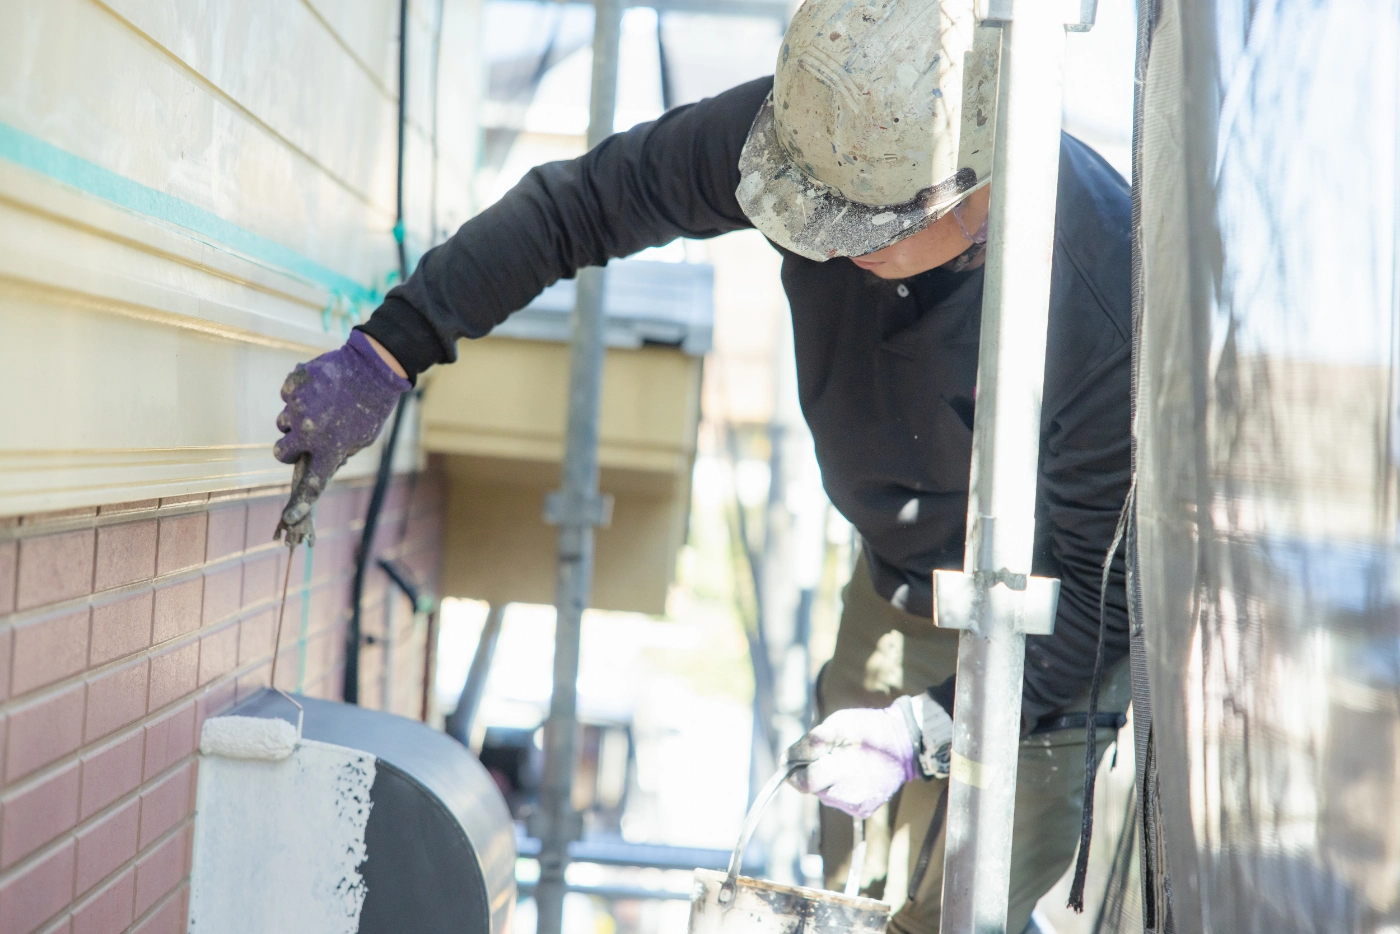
728 903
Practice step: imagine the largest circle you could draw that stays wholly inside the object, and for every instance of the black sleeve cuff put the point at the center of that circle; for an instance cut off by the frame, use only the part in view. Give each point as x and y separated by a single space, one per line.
406 334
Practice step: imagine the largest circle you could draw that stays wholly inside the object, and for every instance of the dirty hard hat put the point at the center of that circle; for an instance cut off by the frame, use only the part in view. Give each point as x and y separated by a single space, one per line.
880 121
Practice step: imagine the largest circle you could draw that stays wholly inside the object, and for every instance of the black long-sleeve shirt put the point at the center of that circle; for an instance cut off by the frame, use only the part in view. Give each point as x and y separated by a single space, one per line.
886 370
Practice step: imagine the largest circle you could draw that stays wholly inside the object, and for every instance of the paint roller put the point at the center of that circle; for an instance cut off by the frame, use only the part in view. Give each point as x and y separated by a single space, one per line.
269 739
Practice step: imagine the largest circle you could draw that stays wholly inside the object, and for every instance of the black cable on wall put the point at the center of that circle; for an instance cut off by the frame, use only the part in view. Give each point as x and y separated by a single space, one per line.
354 635
403 136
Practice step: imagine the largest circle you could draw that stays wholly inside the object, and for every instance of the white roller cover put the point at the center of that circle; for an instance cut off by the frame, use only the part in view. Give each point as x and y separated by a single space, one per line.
247 738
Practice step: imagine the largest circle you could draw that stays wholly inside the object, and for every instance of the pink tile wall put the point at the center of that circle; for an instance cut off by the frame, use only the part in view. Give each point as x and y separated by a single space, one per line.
108 844
49 649
116 698
44 730
169 740
170 916
125 554
112 771
174 674
182 542
9 560
38 813
53 568
177 609
121 629
110 910
38 890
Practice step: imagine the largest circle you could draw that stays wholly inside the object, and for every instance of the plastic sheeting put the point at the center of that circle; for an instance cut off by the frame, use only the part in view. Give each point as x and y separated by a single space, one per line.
1267 461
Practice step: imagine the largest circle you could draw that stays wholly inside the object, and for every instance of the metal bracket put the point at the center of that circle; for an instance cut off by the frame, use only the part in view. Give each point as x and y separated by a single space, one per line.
964 601
562 509
1079 15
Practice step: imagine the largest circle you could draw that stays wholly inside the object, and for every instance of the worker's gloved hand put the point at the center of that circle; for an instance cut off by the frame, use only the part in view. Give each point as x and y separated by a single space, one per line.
336 405
860 757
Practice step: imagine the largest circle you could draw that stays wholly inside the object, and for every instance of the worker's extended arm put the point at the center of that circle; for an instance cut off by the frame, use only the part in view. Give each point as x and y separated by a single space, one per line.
674 177
645 187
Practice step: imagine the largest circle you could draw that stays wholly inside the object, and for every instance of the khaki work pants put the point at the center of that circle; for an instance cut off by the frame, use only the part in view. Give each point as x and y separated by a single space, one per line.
883 652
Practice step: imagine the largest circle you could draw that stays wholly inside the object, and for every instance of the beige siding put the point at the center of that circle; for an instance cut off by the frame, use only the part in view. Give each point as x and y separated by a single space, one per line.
146 340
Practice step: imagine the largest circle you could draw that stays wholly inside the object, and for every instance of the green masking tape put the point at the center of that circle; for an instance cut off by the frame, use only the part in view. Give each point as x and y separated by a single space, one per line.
64 167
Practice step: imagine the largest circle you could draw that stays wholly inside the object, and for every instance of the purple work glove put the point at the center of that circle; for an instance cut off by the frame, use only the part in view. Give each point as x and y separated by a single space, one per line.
336 405
861 757
858 758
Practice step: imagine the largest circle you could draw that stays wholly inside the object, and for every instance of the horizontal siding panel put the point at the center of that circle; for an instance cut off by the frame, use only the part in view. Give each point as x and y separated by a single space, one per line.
195 195
369 30
132 264
146 117
461 85
279 62
149 410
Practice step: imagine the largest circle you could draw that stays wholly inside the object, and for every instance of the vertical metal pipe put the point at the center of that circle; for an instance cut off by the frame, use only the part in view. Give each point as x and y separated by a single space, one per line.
1006 444
399 231
387 653
459 723
578 510
425 703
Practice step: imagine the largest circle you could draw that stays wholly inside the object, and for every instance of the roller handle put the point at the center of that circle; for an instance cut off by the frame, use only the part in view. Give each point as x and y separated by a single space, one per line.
296 524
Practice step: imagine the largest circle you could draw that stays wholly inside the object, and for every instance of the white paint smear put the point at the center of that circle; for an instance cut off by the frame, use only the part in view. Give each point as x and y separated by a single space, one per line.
278 845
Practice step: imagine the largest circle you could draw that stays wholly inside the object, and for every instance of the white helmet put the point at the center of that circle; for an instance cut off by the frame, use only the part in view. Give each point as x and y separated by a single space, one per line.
880 121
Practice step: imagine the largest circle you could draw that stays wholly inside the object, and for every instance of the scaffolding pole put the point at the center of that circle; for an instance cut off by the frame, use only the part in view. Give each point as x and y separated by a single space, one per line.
577 508
995 601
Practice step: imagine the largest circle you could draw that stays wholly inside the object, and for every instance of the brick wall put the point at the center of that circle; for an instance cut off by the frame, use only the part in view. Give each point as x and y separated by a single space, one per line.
121 628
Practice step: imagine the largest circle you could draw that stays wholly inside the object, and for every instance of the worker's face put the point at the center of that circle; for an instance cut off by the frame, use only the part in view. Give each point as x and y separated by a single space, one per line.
938 243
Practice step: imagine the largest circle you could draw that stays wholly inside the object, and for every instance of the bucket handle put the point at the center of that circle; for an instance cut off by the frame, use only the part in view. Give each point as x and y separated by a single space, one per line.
765 794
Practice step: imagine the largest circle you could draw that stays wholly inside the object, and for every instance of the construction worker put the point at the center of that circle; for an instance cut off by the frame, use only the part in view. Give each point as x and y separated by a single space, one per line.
865 161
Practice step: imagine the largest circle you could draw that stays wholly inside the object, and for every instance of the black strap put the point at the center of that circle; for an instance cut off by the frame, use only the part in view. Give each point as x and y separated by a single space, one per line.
1078 721
935 828
1091 735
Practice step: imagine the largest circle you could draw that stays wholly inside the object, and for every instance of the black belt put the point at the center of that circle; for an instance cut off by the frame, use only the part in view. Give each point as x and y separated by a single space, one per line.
1078 721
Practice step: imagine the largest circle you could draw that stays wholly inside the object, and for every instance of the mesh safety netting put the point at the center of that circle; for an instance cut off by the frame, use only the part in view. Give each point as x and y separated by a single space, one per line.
1264 557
